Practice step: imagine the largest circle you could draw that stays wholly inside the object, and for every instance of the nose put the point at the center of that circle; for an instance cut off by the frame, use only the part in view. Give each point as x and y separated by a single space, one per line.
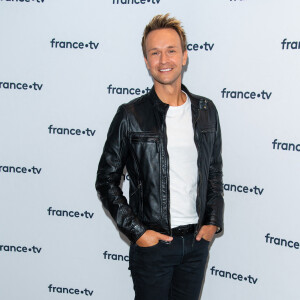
163 57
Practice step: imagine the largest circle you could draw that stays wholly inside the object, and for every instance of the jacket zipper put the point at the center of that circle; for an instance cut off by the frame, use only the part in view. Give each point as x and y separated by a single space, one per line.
199 173
168 173
142 198
137 188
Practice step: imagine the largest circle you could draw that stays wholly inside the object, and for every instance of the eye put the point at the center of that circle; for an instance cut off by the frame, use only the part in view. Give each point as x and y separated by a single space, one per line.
172 51
154 53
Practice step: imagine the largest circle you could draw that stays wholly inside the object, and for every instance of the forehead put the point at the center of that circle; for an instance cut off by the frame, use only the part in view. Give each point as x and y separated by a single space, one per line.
164 37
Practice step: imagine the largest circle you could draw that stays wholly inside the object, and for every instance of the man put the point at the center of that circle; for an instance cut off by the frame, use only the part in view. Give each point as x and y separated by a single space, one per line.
170 142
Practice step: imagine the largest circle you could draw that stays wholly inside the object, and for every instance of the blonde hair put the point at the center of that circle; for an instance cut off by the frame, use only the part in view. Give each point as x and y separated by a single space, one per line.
163 21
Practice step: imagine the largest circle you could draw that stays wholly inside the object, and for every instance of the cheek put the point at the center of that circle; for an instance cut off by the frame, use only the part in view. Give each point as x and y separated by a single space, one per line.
152 64
176 60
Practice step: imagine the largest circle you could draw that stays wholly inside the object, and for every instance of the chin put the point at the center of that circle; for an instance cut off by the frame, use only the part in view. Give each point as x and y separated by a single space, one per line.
165 81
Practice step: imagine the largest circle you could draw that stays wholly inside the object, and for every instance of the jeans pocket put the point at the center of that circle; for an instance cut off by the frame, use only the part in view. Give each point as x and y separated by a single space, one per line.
203 241
148 248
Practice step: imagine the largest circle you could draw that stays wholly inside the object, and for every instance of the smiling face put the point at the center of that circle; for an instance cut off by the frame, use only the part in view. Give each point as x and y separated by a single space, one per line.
165 58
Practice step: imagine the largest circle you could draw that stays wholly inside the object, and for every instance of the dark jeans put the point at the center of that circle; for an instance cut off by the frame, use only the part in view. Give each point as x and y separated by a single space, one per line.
169 271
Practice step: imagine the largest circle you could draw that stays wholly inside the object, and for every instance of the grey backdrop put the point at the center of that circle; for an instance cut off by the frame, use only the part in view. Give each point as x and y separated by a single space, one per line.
56 241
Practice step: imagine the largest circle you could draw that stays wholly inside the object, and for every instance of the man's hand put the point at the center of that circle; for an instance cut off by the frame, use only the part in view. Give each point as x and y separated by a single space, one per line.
151 238
206 232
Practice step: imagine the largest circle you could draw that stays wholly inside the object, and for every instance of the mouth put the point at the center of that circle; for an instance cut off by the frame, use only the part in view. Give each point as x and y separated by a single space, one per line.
165 70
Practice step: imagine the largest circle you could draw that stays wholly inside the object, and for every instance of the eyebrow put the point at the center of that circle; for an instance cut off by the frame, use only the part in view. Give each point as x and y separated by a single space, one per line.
169 47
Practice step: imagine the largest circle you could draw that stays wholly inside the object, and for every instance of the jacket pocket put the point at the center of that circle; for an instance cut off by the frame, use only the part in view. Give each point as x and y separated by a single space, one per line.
146 137
146 152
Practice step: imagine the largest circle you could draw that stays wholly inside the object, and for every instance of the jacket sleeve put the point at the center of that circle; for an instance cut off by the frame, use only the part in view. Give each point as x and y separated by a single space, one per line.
215 201
109 175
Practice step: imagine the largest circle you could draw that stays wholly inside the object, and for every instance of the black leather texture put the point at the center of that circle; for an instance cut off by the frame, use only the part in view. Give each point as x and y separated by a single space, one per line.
137 139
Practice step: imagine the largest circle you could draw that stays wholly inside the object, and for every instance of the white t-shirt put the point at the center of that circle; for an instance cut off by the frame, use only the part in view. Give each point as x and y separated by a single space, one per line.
182 164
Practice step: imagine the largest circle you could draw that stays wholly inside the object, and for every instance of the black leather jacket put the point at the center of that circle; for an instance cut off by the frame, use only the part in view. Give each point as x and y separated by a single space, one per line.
137 139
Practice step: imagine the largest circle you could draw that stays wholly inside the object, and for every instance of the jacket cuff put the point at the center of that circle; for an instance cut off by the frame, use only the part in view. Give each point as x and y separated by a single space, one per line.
136 232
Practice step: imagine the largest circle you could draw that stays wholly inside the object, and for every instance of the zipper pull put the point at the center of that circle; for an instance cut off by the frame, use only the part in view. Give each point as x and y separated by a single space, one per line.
157 146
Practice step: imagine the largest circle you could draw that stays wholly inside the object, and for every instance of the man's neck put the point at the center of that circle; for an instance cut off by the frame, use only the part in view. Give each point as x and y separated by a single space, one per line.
170 94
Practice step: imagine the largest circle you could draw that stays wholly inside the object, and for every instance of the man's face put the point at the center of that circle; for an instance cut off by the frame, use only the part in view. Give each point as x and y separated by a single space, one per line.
164 56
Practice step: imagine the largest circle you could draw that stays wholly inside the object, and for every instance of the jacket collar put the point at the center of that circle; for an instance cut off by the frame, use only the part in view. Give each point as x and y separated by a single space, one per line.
163 107
196 103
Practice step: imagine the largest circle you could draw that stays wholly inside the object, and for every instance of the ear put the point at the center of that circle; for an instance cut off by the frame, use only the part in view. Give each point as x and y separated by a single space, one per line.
185 56
146 62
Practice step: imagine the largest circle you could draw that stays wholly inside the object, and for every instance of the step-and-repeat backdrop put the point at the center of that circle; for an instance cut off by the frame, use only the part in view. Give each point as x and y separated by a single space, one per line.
66 66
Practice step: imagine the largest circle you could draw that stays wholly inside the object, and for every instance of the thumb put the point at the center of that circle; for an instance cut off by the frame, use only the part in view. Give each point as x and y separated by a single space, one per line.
164 237
199 236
